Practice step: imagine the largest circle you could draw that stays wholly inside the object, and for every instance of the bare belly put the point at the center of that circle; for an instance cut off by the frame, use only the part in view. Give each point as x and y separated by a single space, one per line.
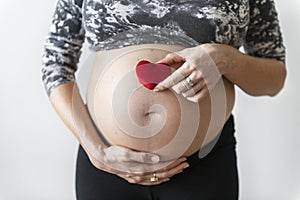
128 114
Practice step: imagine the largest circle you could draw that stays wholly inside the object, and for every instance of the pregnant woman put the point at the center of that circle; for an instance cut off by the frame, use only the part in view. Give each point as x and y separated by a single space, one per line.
171 137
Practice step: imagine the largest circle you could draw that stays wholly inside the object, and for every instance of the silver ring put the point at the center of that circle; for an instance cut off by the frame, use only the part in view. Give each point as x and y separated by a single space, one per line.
187 83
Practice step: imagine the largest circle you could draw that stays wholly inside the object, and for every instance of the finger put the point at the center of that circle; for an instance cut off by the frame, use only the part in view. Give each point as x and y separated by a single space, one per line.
142 157
128 179
140 176
195 89
175 170
181 87
171 172
203 93
184 86
122 154
182 72
163 175
172 164
171 58
146 180
196 76
149 183
163 166
156 183
143 180
166 172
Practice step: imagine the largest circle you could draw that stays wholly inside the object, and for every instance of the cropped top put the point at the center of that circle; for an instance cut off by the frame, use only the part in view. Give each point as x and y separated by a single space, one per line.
110 24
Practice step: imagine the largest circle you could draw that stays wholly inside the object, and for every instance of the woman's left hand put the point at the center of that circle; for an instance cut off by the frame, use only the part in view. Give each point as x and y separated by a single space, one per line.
203 66
159 176
159 173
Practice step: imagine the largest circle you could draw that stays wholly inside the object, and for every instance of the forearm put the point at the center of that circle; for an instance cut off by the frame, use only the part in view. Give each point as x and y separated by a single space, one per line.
256 76
68 104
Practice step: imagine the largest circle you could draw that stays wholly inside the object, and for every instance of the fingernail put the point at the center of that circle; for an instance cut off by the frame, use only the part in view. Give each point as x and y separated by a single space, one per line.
155 159
185 166
155 89
168 179
187 94
183 159
158 88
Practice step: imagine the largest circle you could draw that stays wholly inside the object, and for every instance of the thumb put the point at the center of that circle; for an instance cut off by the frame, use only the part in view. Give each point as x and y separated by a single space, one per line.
122 154
142 157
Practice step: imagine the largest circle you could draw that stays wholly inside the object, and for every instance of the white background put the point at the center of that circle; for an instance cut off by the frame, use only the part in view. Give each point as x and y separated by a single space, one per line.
37 152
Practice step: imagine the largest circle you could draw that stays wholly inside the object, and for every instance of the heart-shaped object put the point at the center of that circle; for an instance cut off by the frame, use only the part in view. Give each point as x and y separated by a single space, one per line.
150 74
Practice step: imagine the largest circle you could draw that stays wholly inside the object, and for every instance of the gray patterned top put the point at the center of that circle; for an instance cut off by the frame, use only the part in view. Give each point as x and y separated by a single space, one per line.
110 24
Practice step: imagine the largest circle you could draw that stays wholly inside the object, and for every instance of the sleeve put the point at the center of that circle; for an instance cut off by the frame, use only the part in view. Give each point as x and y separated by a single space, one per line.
63 44
263 37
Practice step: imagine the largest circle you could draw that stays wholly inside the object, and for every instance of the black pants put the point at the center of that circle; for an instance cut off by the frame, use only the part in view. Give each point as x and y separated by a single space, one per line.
213 177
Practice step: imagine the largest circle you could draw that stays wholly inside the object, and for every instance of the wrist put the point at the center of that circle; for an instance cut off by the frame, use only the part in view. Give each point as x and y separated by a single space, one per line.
230 61
223 56
93 148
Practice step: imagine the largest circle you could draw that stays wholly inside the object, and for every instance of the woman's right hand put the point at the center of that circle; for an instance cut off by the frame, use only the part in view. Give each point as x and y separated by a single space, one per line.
136 167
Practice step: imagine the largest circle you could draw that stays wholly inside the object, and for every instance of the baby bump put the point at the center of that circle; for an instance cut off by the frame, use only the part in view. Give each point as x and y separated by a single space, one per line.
129 114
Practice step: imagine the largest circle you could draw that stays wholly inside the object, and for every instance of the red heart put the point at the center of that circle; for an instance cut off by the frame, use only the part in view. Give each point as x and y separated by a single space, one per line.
150 74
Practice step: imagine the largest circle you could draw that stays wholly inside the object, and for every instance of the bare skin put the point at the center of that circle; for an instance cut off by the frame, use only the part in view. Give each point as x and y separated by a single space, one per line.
138 111
256 76
106 158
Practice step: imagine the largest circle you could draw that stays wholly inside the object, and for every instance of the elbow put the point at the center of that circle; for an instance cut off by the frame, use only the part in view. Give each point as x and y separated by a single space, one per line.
279 81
